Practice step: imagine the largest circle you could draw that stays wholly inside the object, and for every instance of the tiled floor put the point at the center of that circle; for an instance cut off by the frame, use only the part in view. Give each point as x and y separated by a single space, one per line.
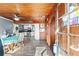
30 48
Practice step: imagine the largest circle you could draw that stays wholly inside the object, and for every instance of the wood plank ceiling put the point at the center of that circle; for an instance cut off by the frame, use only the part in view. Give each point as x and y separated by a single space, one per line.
37 12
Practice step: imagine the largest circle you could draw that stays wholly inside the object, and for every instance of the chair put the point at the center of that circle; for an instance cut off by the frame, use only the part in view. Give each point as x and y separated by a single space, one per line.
20 38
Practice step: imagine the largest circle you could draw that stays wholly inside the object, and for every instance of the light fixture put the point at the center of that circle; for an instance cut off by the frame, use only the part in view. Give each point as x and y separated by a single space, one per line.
42 17
16 18
17 13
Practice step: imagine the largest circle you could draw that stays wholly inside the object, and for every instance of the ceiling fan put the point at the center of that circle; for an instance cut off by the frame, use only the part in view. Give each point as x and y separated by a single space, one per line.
17 13
18 17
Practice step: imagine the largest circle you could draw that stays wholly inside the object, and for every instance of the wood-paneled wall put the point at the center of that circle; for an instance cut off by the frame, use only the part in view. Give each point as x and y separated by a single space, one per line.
48 32
50 27
74 41
74 29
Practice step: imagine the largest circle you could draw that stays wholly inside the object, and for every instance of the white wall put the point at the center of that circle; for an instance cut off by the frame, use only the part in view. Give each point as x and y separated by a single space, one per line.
5 24
37 32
